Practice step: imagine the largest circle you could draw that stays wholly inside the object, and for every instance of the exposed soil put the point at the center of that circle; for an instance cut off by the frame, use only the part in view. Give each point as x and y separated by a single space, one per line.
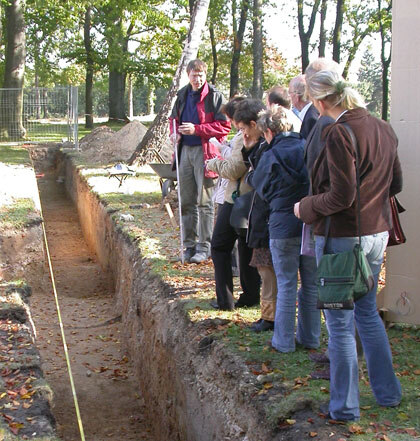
110 403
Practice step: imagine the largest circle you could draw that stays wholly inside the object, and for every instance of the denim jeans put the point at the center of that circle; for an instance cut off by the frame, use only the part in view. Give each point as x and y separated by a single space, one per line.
287 261
344 385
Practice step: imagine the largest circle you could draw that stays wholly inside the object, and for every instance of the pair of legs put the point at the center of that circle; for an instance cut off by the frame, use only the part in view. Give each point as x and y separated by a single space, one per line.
344 386
268 292
196 200
287 262
222 243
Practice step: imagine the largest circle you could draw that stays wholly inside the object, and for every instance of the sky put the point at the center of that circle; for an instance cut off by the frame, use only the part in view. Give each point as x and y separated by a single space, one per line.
280 23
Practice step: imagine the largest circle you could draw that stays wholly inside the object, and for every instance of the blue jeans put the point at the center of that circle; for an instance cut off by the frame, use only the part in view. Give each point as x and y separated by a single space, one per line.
344 385
287 261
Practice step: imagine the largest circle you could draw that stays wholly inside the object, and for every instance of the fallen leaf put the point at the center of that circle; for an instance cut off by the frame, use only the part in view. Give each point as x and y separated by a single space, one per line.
313 434
290 422
355 428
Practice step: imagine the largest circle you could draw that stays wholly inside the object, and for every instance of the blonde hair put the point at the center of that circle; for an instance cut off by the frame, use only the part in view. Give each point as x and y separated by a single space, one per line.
275 119
321 64
329 86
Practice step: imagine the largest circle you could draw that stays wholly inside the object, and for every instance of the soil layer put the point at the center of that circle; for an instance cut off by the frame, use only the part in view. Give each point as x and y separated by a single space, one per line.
110 403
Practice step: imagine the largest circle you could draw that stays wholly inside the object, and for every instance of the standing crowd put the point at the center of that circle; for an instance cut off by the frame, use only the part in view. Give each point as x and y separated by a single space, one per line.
286 194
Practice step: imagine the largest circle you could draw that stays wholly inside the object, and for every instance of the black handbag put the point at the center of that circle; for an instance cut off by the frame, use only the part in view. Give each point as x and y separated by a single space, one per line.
240 210
343 278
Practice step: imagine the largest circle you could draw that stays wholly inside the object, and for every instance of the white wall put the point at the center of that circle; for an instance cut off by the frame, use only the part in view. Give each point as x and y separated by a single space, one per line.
401 296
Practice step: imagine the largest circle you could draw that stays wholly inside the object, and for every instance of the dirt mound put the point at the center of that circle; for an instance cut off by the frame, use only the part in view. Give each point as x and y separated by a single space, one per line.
106 146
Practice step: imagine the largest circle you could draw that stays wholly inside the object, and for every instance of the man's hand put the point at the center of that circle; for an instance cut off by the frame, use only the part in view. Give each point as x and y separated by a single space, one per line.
296 210
187 128
175 138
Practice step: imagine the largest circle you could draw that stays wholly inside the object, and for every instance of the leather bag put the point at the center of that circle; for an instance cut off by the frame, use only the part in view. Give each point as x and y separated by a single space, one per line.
396 233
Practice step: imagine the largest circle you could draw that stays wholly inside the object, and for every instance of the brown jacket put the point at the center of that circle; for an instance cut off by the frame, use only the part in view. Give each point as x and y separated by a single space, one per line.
334 177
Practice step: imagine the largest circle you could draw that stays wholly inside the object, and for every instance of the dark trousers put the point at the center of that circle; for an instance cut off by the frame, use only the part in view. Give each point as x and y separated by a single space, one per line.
222 243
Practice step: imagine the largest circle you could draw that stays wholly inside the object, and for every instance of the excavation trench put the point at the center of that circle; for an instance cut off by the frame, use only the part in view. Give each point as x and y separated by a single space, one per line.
142 370
110 401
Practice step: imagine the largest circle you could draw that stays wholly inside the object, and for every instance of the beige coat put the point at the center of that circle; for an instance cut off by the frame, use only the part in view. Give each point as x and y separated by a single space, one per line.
232 168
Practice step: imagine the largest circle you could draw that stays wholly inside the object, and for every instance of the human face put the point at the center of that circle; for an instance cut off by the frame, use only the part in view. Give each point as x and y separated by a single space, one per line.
197 79
250 131
293 96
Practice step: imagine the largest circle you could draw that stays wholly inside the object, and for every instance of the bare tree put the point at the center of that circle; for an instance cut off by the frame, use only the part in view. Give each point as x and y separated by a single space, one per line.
14 71
238 36
305 36
384 29
322 30
337 30
257 50
158 132
89 68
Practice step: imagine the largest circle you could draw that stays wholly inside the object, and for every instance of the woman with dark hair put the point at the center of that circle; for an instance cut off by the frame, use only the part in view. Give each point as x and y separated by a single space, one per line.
333 180
245 118
224 236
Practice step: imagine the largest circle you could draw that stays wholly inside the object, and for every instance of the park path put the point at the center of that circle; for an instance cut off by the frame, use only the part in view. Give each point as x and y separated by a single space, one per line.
110 403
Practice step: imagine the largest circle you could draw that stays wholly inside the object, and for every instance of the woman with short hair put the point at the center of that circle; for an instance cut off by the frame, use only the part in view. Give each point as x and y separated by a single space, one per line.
333 180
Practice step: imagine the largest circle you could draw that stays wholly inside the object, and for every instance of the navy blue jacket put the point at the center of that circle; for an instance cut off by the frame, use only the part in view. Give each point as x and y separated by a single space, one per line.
281 180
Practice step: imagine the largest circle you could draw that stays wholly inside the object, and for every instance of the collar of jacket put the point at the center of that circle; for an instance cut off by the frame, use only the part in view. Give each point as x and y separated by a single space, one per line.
203 92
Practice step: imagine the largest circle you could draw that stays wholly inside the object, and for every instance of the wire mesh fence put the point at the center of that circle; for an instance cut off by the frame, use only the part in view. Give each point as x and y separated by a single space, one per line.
38 115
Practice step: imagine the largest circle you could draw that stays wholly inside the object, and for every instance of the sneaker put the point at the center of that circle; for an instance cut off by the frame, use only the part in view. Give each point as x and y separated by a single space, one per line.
188 253
199 256
262 325
319 357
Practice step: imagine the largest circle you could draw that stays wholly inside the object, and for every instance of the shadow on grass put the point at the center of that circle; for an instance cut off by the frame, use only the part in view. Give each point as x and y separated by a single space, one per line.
14 155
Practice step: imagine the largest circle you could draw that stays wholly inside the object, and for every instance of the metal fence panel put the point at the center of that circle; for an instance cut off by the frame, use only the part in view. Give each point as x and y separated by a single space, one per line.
47 115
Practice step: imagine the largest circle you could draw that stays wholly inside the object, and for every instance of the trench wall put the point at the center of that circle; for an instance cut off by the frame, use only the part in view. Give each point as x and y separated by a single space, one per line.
193 388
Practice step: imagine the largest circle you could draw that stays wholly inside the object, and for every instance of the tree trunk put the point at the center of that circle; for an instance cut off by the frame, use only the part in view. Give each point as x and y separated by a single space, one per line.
14 70
214 54
257 50
305 36
130 97
157 135
386 61
322 30
116 95
238 36
89 69
337 30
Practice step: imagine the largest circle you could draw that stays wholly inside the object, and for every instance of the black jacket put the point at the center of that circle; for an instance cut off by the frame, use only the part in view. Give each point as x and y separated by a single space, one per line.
258 236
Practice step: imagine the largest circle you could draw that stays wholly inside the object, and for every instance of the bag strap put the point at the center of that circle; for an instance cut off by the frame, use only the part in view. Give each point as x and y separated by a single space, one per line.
356 150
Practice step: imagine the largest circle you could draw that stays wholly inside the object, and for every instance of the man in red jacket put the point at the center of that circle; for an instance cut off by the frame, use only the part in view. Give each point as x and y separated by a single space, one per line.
198 118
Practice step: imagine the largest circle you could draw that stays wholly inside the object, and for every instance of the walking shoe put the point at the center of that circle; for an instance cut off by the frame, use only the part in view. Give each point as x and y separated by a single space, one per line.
241 304
188 253
262 325
215 305
319 357
199 256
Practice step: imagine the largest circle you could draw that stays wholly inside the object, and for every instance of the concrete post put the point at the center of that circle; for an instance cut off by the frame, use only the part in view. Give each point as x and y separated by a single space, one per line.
401 296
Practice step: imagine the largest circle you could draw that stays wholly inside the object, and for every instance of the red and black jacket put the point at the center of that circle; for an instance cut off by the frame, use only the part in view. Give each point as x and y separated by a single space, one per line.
213 123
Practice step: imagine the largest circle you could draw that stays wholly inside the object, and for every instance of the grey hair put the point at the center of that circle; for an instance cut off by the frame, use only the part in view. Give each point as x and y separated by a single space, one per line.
322 64
298 85
275 119
330 86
